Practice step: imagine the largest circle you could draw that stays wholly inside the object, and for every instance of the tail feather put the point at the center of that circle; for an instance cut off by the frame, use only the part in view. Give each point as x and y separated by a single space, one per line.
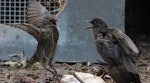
130 66
30 63
136 79
122 75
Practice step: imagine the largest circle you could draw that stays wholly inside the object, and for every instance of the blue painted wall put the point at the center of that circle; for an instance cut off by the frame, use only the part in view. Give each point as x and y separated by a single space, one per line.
75 44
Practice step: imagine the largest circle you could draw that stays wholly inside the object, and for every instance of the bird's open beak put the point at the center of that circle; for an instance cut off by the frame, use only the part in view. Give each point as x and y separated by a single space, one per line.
85 21
89 27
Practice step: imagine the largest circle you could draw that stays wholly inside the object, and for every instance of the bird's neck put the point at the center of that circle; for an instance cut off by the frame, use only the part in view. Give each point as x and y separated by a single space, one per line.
100 32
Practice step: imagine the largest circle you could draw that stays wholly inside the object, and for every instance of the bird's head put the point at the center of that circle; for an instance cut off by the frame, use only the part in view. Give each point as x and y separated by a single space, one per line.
98 25
50 20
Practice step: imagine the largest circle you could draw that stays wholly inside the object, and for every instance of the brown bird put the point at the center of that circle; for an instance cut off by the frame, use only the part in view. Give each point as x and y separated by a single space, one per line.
116 49
42 26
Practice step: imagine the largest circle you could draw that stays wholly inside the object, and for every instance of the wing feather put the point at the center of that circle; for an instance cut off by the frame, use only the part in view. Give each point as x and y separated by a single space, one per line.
127 44
36 12
31 29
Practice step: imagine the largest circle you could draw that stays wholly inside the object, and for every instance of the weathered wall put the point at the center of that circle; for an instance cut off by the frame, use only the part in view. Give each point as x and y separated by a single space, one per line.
13 41
75 43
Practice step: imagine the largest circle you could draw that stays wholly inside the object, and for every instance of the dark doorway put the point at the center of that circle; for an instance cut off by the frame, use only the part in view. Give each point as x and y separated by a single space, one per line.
137 18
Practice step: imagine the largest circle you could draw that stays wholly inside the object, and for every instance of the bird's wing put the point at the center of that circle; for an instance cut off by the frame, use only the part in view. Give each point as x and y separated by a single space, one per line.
29 28
36 12
129 65
126 42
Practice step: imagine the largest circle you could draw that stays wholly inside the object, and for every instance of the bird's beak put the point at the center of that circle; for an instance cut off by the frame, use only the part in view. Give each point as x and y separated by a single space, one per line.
89 27
85 21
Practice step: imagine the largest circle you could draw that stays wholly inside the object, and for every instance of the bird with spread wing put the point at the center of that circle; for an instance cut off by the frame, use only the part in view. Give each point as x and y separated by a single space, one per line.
42 26
116 49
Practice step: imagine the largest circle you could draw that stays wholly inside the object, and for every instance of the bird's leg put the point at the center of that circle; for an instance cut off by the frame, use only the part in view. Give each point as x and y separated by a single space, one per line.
54 72
103 65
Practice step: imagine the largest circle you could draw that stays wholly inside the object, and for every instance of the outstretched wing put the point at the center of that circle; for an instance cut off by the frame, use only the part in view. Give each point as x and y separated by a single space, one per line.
126 42
36 12
29 28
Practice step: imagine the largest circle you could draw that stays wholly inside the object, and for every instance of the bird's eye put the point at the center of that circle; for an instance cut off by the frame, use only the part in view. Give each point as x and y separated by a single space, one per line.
54 23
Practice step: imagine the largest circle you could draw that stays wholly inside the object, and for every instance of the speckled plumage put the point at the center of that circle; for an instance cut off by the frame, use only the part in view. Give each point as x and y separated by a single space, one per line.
115 48
42 26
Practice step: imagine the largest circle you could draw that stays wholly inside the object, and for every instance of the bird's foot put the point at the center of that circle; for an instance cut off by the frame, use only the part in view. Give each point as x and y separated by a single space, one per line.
56 76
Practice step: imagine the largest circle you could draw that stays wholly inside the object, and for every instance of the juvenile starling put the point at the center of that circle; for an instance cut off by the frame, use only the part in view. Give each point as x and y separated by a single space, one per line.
41 25
116 49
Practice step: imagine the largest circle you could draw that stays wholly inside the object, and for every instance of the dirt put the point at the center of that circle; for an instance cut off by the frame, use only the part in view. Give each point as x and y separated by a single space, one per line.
9 74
